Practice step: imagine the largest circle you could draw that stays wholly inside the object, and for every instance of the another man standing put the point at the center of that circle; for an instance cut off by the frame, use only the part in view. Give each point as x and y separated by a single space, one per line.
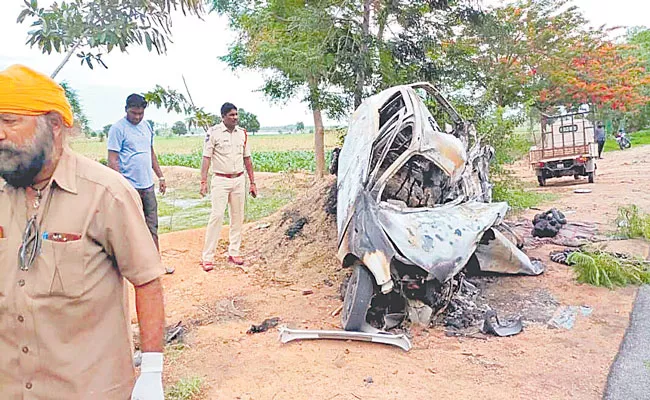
226 148
599 137
71 230
131 153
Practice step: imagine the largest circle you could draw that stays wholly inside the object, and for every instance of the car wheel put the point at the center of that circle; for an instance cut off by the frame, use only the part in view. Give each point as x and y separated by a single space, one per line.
357 298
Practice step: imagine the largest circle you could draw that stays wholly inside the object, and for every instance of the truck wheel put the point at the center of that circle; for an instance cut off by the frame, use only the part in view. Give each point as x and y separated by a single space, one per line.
590 177
357 298
541 180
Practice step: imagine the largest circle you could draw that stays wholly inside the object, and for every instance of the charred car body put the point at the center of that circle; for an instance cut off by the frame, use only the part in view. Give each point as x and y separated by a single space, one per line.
414 208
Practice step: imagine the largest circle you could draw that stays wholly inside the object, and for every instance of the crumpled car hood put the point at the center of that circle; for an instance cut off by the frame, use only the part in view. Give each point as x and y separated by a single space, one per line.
440 240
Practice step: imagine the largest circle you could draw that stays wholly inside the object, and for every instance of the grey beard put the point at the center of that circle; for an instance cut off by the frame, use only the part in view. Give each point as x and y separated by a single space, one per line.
25 172
19 167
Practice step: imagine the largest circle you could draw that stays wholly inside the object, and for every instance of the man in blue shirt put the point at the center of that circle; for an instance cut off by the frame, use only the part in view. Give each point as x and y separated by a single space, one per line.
130 152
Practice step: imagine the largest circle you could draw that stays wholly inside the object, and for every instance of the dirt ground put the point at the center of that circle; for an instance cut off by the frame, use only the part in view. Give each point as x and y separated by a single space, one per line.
540 363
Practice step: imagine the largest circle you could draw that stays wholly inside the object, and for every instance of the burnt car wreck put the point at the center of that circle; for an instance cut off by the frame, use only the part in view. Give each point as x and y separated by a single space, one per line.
414 209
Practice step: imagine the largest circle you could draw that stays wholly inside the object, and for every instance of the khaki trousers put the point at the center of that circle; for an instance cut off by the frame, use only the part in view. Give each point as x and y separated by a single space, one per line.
231 192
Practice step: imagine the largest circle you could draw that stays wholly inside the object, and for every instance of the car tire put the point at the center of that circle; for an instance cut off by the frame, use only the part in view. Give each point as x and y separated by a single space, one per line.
358 295
541 180
590 177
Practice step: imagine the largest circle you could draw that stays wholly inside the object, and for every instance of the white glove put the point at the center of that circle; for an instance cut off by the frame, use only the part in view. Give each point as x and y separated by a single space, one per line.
149 384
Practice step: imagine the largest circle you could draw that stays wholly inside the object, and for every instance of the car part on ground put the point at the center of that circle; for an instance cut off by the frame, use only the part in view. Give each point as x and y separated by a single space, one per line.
414 206
401 341
493 326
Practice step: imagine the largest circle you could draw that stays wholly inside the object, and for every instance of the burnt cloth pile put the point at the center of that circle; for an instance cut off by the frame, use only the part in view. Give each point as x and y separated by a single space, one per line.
549 223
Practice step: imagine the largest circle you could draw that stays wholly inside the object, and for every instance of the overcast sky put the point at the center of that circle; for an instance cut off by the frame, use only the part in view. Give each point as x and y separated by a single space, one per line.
194 53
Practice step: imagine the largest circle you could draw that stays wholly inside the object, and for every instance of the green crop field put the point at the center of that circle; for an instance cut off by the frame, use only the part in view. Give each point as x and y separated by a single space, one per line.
182 208
96 150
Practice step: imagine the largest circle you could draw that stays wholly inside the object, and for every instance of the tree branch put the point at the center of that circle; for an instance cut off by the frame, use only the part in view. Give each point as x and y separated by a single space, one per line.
65 60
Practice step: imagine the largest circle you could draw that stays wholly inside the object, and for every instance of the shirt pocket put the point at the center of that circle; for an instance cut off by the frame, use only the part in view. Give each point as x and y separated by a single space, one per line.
4 263
223 146
60 270
241 142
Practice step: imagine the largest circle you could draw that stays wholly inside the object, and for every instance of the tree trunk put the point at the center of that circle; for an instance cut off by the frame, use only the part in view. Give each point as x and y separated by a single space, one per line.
319 143
65 60
361 73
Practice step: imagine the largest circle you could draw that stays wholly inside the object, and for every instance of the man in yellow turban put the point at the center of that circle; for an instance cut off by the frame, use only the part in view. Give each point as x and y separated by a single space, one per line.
71 230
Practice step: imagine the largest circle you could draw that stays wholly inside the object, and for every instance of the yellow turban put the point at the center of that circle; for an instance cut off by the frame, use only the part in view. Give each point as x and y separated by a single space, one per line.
24 91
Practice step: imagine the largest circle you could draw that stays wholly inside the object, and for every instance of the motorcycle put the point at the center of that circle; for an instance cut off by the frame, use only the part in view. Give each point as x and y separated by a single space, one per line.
622 140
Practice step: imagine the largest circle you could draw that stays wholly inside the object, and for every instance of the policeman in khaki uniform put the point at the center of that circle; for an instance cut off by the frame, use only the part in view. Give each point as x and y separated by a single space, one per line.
226 148
71 231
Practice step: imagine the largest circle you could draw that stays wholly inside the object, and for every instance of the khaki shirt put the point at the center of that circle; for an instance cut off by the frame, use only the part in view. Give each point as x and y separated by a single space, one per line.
226 150
64 324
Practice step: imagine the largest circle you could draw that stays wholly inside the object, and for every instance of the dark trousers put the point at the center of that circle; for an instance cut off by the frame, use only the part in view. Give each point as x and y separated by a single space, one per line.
150 208
601 144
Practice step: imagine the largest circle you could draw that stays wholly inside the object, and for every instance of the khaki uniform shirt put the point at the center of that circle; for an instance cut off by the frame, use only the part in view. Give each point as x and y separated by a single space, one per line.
64 324
226 150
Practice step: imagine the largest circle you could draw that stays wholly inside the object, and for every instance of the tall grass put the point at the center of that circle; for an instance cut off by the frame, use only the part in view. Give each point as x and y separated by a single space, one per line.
633 223
599 268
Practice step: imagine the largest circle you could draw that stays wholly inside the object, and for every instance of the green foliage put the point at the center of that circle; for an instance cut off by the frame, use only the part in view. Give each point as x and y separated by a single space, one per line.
599 268
248 121
185 389
263 161
179 128
300 126
77 109
513 192
633 223
94 28
174 101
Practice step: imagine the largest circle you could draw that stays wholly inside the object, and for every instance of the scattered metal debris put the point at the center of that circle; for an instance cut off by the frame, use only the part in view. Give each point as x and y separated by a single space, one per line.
401 341
174 333
549 223
307 292
564 318
492 325
264 326
368 380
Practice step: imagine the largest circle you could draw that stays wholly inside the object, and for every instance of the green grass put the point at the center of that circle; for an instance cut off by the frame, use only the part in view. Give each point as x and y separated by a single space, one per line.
633 223
599 268
185 389
263 161
96 150
637 138
515 194
183 208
